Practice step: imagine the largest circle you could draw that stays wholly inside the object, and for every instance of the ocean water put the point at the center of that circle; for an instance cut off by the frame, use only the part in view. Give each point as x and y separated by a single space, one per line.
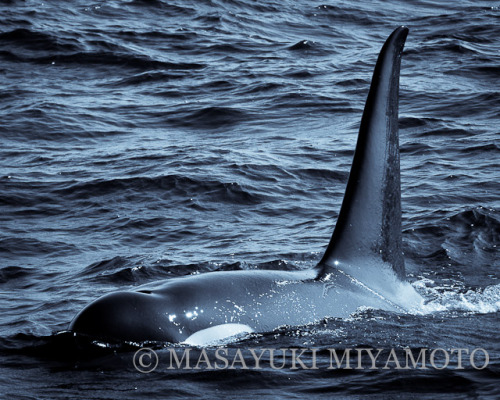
148 139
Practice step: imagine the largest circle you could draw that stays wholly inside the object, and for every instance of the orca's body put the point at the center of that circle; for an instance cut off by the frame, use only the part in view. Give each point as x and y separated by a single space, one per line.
362 266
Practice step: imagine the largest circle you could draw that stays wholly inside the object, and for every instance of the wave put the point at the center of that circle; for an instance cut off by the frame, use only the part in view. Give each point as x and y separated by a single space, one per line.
126 270
455 298
172 9
38 41
26 46
345 13
25 246
144 78
103 58
328 175
179 35
472 232
8 274
181 186
209 118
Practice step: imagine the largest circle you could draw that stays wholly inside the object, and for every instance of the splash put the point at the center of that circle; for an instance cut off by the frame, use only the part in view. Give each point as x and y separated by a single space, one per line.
455 298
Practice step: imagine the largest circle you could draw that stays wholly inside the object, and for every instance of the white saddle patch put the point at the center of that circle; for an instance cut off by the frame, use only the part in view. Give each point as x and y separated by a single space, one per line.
216 333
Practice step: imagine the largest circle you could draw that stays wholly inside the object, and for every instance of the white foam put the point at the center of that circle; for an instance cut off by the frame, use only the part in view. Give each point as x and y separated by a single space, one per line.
408 297
453 298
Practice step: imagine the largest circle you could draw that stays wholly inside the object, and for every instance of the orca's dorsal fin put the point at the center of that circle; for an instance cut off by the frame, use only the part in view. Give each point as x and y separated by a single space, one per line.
368 228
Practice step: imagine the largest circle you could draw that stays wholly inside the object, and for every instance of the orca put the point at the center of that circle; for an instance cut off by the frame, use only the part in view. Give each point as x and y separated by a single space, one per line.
363 265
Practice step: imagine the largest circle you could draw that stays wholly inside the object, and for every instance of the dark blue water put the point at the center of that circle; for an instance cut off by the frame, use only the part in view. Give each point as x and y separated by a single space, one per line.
143 140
